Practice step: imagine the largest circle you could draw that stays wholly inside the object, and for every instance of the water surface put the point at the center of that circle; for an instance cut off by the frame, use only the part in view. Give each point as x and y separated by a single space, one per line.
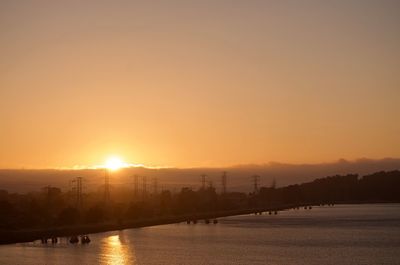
343 234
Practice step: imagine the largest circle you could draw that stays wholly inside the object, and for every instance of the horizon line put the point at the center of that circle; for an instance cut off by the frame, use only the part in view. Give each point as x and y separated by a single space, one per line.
270 163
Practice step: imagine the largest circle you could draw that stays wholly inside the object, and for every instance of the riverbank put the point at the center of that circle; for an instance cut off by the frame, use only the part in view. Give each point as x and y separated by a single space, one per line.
29 235
20 236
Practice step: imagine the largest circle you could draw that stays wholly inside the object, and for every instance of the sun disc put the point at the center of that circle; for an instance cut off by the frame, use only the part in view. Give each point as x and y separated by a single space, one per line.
114 163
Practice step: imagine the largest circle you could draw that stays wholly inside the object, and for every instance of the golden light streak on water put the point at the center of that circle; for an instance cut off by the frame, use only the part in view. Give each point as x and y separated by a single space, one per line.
116 252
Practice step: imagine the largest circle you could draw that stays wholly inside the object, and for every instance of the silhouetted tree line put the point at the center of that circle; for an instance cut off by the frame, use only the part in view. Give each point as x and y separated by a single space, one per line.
380 186
51 207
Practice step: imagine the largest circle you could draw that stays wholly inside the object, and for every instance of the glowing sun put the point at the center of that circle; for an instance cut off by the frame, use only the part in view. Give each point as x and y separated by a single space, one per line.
114 163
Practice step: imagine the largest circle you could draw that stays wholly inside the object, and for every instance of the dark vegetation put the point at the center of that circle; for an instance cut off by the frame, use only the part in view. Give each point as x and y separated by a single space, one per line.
51 207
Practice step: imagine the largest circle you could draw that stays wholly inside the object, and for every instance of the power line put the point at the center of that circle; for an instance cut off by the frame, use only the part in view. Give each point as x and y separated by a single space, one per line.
106 186
155 186
136 186
203 181
78 192
144 186
223 180
255 180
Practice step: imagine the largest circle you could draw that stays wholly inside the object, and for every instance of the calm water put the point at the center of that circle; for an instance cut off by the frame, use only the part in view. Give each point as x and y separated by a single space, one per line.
343 234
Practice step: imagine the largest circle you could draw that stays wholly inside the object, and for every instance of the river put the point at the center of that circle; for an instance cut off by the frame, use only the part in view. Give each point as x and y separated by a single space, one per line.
343 234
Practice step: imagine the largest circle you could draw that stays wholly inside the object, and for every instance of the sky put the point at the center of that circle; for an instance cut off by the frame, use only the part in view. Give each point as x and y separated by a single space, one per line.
198 83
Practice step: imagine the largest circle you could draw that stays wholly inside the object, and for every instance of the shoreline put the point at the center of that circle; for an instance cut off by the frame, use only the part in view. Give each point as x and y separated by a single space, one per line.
30 235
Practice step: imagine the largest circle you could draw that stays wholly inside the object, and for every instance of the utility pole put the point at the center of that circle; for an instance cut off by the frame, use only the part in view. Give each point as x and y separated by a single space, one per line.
273 184
223 180
106 186
255 179
210 184
203 181
78 191
155 186
47 192
136 186
144 186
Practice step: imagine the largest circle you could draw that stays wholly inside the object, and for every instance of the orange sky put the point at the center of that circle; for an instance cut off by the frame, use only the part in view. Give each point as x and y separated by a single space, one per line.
198 83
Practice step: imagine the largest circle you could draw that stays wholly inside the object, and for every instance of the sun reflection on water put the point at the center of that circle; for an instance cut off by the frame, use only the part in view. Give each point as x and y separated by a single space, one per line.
115 251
